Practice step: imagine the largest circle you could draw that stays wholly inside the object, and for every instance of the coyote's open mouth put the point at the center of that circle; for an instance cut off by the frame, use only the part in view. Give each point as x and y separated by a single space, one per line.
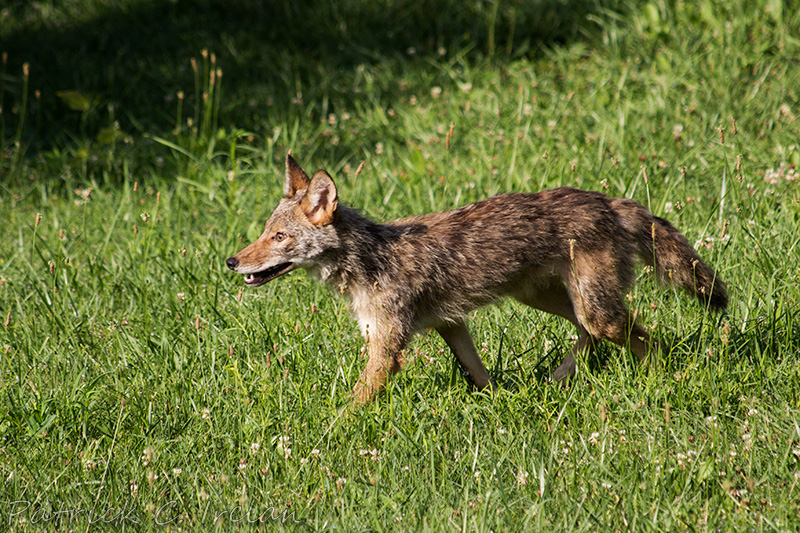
260 278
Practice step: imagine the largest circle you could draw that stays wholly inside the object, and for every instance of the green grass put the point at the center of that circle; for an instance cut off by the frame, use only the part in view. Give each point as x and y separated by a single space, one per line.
141 385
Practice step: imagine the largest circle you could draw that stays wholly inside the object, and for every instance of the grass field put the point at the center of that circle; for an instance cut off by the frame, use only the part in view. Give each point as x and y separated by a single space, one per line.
143 386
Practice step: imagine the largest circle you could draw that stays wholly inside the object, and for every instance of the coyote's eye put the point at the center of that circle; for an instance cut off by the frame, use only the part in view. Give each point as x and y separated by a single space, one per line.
280 236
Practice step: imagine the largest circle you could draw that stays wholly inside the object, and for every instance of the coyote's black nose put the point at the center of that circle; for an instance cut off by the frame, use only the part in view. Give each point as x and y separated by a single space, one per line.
232 262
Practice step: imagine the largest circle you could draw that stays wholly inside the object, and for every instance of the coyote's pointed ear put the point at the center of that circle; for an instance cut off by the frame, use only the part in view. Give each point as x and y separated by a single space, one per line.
320 202
296 179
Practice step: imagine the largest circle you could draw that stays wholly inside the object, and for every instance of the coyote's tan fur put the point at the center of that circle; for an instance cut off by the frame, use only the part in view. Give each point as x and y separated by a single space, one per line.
565 251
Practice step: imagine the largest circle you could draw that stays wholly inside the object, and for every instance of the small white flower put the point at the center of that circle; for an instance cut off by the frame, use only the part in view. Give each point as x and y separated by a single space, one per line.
147 456
282 445
373 454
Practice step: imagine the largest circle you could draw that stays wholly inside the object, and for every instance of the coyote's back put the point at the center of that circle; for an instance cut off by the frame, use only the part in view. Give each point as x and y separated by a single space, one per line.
564 251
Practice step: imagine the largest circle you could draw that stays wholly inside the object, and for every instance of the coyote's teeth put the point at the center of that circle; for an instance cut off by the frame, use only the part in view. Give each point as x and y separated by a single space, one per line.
248 277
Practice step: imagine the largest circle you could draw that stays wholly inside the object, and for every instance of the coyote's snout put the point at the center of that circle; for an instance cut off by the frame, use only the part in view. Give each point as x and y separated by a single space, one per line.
564 251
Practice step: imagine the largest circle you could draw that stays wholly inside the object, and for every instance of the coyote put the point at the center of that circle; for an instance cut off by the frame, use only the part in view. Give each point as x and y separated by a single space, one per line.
565 251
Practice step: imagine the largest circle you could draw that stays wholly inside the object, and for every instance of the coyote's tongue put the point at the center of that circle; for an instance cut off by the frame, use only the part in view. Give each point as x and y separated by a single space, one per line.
259 278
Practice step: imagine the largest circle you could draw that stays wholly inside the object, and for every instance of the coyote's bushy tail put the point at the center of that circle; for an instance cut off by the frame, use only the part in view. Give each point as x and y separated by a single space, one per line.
663 247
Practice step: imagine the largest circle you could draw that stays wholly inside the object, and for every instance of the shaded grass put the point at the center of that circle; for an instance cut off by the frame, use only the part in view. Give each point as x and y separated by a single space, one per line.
135 55
142 386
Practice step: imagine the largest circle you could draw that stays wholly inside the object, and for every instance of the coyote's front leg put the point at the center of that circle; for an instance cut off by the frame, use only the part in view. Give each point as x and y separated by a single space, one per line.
457 337
385 358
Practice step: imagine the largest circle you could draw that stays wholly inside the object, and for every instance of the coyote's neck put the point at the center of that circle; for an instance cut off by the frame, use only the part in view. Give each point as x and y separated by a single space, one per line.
362 256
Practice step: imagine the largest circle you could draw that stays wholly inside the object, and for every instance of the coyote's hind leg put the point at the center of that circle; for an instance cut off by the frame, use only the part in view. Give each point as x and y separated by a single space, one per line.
555 299
597 299
568 367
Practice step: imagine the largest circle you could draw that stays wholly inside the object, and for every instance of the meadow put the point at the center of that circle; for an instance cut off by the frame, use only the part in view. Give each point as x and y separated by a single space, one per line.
143 387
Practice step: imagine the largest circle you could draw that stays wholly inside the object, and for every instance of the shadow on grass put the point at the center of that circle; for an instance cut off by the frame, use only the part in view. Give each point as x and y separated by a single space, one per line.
775 339
131 58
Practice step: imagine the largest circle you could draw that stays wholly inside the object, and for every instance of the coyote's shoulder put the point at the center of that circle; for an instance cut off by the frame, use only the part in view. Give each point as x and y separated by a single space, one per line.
565 251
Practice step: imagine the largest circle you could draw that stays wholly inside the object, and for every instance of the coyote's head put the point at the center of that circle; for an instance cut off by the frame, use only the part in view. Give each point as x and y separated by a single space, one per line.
298 233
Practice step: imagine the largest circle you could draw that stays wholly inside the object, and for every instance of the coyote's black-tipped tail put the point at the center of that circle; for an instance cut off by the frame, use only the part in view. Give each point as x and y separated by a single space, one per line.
663 247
